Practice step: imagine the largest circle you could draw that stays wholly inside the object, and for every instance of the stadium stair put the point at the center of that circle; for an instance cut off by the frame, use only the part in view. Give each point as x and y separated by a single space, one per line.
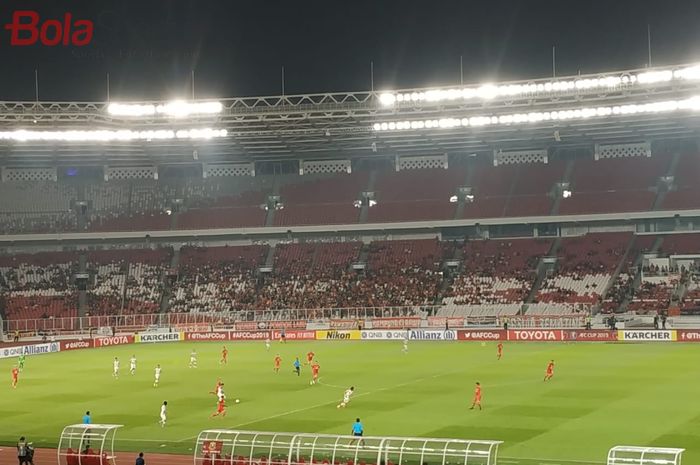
168 284
637 283
616 273
542 270
82 295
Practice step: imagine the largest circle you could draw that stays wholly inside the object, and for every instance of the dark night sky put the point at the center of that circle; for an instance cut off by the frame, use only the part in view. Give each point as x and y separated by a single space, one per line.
237 47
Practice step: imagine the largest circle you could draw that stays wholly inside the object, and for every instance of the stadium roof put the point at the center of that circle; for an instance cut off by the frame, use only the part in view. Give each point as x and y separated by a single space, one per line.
632 105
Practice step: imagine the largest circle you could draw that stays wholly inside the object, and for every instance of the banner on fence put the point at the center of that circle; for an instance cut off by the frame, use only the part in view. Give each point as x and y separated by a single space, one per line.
159 337
395 323
337 335
482 335
263 325
653 335
31 349
441 321
344 324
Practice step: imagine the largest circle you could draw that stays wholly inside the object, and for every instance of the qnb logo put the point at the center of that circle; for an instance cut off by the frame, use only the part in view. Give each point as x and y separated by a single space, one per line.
27 28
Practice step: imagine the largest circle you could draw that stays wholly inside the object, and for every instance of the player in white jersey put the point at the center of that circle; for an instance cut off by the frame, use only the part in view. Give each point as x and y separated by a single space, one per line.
132 365
115 371
267 344
157 379
163 413
405 343
193 359
346 397
220 392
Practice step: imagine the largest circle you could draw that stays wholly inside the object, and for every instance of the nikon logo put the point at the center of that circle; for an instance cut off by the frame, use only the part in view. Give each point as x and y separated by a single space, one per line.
337 335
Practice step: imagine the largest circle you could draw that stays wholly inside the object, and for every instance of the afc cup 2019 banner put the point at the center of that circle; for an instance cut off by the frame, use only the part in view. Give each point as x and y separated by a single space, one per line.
76 344
32 349
653 335
159 337
590 335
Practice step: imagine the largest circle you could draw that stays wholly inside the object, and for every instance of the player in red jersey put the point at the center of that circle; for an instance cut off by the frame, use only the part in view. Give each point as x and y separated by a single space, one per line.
310 357
315 367
224 356
500 350
278 363
220 409
477 397
219 383
550 371
15 377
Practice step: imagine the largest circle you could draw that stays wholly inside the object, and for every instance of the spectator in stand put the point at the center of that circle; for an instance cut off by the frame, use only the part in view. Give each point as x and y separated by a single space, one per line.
140 460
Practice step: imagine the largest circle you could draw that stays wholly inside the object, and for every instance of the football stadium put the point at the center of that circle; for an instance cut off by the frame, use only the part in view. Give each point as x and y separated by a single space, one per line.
497 271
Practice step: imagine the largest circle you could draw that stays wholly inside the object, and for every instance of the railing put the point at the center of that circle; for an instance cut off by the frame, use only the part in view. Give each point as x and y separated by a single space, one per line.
291 318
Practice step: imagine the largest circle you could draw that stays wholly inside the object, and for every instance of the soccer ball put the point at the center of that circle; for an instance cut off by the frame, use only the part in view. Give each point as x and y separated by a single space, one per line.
238 401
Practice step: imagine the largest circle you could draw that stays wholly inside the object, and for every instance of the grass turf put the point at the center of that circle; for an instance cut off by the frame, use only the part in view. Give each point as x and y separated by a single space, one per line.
602 394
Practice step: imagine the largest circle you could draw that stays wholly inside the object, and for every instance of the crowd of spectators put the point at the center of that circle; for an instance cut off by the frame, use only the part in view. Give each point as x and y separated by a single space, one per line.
585 267
38 286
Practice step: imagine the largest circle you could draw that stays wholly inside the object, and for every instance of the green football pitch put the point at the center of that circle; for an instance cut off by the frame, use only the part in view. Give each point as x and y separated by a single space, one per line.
602 395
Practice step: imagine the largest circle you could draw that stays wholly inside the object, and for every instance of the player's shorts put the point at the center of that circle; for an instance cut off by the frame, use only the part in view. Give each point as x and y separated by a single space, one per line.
315 376
163 417
346 399
157 378
220 409
357 434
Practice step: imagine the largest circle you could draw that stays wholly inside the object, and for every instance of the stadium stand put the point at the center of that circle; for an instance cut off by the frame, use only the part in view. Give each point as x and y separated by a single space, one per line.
585 267
321 200
496 278
37 207
38 285
415 195
127 281
217 278
599 188
686 194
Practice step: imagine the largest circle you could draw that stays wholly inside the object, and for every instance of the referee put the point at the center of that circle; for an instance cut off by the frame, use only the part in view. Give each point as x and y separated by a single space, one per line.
358 430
